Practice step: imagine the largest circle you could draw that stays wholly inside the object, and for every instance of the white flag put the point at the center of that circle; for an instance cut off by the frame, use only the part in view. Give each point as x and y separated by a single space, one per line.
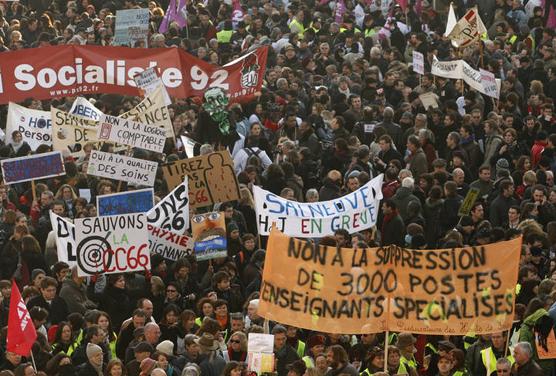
468 29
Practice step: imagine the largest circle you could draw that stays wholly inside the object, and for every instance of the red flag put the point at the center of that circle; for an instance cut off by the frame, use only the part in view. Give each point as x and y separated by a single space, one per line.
21 331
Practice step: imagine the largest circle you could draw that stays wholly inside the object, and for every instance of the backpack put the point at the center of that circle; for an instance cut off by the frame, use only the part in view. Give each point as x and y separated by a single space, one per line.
254 154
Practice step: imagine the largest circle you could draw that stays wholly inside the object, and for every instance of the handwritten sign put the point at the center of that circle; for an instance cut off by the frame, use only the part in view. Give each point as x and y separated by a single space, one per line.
131 133
418 62
64 231
353 212
152 111
344 290
148 81
209 235
469 201
112 244
119 167
33 167
168 244
489 83
212 178
132 25
35 125
172 212
139 201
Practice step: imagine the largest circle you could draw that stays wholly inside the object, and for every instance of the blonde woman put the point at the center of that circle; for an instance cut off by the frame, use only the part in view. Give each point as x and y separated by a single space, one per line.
67 194
237 348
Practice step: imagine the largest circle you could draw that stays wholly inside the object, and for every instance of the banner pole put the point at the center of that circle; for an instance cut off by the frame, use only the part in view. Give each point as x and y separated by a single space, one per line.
34 190
507 343
386 350
33 360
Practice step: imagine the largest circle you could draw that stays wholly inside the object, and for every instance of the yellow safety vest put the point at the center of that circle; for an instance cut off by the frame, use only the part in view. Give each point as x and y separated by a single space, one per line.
408 363
198 321
512 39
300 348
432 348
401 371
468 340
224 36
308 361
112 347
300 27
489 360
76 343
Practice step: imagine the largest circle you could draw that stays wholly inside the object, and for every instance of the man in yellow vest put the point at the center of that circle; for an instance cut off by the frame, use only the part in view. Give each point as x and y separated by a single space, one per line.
294 341
225 35
491 354
406 345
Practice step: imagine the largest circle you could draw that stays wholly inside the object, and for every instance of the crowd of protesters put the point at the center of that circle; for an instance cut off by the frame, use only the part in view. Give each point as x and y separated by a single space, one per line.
340 104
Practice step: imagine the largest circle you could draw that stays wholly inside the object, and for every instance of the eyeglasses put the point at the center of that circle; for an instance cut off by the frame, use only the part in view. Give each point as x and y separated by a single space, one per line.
235 341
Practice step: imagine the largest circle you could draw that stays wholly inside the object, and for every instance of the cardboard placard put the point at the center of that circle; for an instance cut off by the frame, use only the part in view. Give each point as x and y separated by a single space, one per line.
347 291
132 25
212 178
418 62
138 201
112 244
33 167
209 235
114 166
148 81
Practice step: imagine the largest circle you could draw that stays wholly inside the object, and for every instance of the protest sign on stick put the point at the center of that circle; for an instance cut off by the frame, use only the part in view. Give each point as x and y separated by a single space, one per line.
148 81
344 290
212 178
64 231
132 26
35 125
112 244
33 167
114 166
131 133
138 201
172 212
209 235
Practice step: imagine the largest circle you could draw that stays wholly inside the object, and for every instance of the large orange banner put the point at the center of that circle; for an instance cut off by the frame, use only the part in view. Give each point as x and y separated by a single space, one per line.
353 291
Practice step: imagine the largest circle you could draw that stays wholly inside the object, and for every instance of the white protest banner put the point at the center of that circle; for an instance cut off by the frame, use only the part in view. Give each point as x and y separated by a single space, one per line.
472 77
168 244
35 125
64 231
114 166
172 212
148 81
489 83
132 25
418 62
112 244
447 69
131 133
83 107
353 212
468 29
259 342
152 111
260 352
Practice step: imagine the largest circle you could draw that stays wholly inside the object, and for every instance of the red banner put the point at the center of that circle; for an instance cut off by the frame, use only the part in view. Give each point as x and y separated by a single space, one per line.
61 71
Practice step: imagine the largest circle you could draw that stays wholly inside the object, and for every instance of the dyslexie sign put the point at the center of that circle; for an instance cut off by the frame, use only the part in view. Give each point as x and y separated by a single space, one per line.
345 290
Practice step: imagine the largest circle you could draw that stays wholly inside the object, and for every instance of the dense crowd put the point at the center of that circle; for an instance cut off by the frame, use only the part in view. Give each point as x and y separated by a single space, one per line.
340 105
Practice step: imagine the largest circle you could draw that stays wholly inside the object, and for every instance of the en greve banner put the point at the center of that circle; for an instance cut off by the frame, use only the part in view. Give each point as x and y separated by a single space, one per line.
353 212
61 71
112 244
354 291
120 167
64 231
35 125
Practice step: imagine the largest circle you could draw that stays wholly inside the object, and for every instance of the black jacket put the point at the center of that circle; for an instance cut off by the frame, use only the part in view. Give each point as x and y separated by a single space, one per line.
57 309
285 356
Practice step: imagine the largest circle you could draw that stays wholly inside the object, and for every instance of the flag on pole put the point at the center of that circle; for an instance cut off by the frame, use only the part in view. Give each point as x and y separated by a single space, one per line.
176 12
468 29
452 20
21 331
340 10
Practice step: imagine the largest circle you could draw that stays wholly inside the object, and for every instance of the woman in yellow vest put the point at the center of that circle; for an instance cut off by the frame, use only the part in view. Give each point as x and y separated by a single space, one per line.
103 321
375 362
205 309
63 341
458 357
395 366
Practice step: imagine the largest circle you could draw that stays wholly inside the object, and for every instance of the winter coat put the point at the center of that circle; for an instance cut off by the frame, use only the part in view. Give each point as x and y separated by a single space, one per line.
432 213
117 304
417 164
402 198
